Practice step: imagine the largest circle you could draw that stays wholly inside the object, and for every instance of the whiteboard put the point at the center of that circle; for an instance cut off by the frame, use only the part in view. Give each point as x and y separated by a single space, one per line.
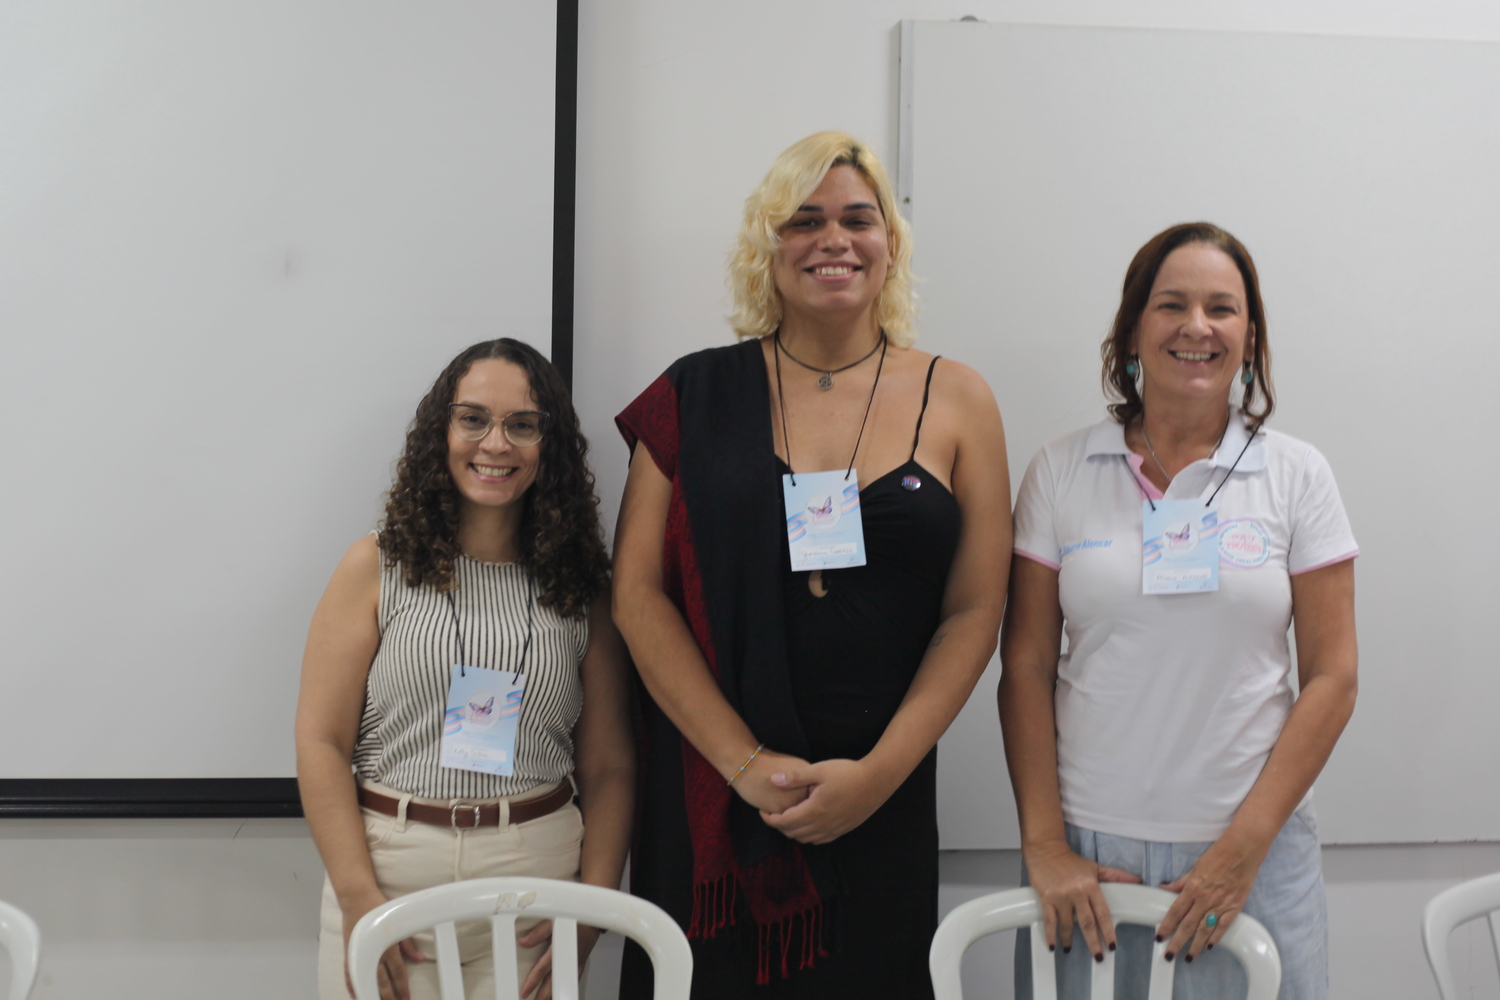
238 241
1362 173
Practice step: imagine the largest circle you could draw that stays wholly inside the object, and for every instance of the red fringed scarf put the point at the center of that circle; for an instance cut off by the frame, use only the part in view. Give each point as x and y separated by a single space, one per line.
780 892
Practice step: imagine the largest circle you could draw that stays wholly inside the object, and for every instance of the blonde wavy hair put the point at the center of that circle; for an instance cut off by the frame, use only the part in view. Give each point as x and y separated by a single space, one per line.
792 178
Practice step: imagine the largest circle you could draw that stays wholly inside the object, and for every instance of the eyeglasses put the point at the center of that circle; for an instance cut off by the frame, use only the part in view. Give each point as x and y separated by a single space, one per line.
522 428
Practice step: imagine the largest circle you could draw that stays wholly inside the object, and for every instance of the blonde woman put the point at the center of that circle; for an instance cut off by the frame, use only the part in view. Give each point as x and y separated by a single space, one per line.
798 689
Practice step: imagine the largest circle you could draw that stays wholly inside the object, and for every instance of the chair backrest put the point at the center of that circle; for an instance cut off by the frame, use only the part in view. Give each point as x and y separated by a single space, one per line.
501 901
20 937
1445 911
1246 939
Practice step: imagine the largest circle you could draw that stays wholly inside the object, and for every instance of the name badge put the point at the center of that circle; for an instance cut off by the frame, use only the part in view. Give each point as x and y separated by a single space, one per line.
823 528
479 727
1180 550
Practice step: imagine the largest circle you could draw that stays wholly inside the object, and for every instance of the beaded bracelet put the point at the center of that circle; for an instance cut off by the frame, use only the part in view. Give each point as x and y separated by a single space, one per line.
746 764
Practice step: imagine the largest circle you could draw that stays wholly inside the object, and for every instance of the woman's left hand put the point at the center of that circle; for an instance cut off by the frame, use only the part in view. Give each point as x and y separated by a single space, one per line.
841 794
540 977
1219 884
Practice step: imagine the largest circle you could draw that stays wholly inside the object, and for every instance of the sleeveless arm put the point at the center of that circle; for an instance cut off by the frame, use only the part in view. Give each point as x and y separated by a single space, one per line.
341 644
651 419
666 653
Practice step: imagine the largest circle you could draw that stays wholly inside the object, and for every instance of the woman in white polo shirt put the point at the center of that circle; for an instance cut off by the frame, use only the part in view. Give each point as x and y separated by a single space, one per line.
1174 543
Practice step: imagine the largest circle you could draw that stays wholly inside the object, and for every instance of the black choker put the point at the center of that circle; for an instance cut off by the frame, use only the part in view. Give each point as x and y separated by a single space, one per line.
825 380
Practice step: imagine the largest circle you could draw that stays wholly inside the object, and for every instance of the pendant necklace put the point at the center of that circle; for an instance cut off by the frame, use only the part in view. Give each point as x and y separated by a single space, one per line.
786 435
1152 450
825 379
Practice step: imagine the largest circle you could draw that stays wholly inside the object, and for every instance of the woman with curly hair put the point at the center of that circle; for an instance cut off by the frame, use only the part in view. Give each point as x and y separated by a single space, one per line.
462 676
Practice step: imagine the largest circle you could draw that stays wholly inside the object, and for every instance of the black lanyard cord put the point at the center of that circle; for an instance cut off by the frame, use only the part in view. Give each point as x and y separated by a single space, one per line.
459 631
781 404
1253 431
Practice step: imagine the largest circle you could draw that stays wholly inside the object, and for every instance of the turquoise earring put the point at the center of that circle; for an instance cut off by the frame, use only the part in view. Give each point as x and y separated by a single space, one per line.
1247 376
1131 367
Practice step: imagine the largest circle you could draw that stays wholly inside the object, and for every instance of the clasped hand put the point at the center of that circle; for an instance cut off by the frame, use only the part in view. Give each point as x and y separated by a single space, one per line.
832 798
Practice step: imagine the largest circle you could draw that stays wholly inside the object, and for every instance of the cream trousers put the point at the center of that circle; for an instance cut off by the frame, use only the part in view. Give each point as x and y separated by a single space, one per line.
409 856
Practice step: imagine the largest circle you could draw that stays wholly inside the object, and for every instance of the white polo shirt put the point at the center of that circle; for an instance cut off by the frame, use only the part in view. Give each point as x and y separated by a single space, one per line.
1168 705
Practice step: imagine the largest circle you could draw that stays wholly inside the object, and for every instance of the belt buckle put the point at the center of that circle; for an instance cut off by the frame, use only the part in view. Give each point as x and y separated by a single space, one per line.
453 817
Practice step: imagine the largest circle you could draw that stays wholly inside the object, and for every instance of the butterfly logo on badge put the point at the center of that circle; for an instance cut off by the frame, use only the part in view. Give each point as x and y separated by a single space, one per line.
822 512
482 713
1180 537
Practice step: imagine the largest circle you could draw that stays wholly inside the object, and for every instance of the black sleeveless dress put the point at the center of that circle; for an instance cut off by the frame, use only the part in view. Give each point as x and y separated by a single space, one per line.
853 655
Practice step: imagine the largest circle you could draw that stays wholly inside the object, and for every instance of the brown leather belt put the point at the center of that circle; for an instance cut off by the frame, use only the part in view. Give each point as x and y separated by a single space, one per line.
469 817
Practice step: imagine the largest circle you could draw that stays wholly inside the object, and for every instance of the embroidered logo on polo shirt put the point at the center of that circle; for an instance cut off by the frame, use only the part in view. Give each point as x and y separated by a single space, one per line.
1088 543
1244 543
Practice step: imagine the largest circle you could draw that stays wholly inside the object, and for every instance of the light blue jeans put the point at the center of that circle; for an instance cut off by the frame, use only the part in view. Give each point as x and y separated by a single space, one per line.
1287 897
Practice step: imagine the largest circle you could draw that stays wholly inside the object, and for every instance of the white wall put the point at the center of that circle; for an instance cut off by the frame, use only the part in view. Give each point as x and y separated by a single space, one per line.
682 106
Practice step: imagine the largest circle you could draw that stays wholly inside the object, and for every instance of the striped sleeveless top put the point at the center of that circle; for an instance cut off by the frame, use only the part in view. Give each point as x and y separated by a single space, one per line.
407 690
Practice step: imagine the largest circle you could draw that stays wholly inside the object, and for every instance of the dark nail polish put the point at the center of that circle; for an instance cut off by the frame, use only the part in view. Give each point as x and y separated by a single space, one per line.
1189 958
1067 948
1210 946
1099 957
1052 947
1168 956
1159 939
1112 946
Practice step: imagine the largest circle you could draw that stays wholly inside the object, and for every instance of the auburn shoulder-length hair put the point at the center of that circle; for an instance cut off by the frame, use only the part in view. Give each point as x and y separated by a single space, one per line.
1259 397
796 174
559 537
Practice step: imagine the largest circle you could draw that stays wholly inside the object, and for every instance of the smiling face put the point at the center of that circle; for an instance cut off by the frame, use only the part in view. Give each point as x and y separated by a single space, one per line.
493 472
834 251
1195 331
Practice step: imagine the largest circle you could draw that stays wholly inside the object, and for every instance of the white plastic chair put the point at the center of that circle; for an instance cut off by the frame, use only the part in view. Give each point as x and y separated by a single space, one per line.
1445 911
20 937
1246 939
501 901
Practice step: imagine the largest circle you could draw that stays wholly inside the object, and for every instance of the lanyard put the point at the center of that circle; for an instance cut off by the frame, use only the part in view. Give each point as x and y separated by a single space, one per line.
459 631
1253 431
781 404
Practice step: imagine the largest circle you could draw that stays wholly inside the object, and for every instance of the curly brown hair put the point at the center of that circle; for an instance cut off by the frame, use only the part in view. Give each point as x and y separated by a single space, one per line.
559 537
1119 384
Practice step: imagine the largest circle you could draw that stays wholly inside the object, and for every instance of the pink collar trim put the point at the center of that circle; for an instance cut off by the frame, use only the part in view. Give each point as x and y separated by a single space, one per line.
1146 484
